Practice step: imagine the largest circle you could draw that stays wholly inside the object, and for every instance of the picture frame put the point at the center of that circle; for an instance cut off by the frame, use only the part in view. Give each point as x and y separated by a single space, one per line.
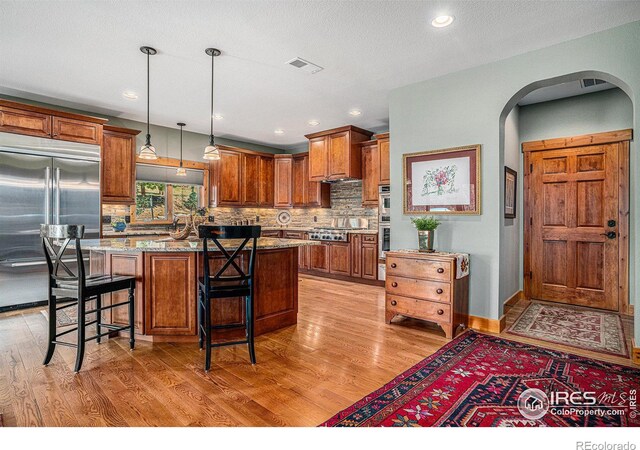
510 193
448 181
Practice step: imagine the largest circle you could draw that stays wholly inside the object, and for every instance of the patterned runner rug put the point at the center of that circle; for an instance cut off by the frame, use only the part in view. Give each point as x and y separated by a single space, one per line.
478 380
64 317
583 328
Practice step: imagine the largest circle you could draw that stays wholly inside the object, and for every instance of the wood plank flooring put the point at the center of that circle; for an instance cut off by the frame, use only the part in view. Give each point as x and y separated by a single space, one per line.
339 351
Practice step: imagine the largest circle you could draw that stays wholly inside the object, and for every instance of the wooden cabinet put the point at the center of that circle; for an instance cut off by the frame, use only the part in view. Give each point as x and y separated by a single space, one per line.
250 173
340 258
265 183
270 233
76 130
230 174
170 293
283 197
356 255
369 257
424 286
370 173
48 123
335 154
25 122
383 159
118 165
300 180
319 258
130 265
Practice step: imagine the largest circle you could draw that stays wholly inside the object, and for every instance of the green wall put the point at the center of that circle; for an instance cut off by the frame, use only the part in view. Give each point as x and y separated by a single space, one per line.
470 107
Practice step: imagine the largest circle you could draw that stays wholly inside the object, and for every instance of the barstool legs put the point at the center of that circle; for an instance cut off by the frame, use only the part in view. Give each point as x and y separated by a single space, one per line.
98 317
200 322
81 334
207 332
52 330
249 309
132 331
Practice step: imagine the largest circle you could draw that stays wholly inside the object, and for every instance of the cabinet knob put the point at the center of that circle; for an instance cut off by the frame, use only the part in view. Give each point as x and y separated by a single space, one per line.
439 291
440 312
440 270
394 284
394 265
394 303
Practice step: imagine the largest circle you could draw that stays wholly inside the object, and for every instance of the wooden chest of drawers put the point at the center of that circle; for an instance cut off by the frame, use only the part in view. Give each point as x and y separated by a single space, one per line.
424 286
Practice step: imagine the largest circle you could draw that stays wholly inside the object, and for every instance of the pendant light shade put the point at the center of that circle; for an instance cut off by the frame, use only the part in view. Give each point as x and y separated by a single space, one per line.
148 151
181 171
211 151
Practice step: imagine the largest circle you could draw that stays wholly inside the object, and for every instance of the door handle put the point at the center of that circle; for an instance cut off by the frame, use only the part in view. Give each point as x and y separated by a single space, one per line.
610 234
47 195
56 192
611 223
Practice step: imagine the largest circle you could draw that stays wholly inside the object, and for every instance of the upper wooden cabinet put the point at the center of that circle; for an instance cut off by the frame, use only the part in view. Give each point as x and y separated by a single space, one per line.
293 187
48 123
335 154
118 165
282 197
370 173
250 179
230 178
383 158
299 180
265 181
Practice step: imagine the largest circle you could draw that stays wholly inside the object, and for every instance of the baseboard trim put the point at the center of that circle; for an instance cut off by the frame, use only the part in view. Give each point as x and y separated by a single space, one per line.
511 301
635 352
487 325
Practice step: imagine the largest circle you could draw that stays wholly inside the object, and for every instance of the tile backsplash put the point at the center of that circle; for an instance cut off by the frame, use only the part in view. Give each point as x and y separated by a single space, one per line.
346 201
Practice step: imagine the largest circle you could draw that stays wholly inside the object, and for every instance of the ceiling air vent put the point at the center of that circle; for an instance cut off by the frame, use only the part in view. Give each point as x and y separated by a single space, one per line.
307 66
590 82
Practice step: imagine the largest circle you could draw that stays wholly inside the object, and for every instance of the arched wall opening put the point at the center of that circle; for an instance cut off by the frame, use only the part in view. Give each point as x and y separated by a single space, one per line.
610 110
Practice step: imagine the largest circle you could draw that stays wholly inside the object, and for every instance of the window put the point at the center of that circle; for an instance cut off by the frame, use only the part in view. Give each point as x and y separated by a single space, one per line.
159 202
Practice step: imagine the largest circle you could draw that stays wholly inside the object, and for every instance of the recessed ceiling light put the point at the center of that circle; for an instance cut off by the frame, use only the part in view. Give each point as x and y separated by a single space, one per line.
313 123
218 116
278 131
355 112
130 95
442 21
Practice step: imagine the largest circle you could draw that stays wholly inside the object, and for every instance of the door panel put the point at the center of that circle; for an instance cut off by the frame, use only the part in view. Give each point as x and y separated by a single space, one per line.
573 193
76 194
250 179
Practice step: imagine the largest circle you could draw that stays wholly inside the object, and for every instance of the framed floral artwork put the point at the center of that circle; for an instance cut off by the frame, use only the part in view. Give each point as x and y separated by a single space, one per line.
510 188
442 181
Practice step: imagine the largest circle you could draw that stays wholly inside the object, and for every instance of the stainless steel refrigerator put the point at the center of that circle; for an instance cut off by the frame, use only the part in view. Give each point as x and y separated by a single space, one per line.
41 181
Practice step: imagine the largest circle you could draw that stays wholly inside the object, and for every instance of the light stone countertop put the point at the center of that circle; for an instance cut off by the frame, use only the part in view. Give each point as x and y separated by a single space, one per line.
188 245
142 232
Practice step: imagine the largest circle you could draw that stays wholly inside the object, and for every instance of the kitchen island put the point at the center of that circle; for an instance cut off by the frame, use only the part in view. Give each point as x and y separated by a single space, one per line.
166 274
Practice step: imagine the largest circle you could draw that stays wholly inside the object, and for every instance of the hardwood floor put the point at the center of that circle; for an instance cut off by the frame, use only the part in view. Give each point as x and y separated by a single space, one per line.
339 351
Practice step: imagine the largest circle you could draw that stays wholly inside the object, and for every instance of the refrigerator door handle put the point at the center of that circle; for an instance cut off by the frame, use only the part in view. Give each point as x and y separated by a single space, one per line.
42 263
56 193
47 196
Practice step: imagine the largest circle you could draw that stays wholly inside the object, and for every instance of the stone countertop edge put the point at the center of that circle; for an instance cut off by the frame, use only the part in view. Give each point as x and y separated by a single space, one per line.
116 234
150 245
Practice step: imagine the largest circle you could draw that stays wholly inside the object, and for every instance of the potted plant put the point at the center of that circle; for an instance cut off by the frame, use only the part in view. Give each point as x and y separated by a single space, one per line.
426 227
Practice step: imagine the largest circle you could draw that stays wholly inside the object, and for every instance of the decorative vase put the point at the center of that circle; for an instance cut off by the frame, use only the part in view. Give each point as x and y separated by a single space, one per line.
119 226
425 240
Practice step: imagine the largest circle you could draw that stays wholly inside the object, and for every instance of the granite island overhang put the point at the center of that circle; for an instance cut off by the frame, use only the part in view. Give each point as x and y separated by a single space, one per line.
167 273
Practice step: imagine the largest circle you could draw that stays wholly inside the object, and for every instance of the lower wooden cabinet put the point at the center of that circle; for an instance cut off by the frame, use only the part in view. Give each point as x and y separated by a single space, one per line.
170 293
340 258
130 265
319 258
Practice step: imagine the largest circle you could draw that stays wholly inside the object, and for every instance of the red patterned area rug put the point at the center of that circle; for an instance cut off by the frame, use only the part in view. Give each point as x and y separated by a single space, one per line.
477 380
582 328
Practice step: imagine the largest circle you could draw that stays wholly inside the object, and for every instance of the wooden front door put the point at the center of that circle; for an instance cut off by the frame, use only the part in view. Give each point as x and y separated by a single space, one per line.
574 214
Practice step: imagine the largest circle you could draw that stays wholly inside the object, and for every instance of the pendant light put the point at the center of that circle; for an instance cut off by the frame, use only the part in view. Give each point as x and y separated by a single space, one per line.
148 151
181 171
211 150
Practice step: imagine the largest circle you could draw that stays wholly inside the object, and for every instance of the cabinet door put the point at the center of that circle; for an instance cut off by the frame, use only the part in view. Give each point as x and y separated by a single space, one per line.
265 187
319 258
76 130
318 158
303 258
170 293
282 184
340 258
370 174
369 261
230 178
118 168
339 154
250 179
300 180
25 122
383 157
356 255
130 264
319 194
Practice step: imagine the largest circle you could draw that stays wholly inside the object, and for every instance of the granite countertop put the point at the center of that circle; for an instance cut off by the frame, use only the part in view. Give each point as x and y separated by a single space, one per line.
188 245
142 232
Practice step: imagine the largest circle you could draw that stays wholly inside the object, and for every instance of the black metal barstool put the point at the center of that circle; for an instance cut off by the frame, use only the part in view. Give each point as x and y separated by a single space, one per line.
226 285
71 289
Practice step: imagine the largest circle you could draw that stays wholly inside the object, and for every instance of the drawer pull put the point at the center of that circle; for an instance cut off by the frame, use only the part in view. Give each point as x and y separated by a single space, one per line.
394 265
440 312
394 284
440 270
394 303
439 291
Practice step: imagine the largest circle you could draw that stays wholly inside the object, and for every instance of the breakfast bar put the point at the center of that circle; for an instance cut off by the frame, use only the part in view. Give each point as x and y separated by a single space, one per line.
166 274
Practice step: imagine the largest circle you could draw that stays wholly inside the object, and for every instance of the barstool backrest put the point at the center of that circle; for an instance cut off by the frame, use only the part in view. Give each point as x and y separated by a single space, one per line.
241 236
60 236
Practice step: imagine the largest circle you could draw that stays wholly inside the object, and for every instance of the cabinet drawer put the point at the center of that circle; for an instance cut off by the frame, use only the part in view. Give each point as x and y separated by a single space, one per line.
25 122
271 233
293 234
420 309
370 238
419 268
76 130
423 289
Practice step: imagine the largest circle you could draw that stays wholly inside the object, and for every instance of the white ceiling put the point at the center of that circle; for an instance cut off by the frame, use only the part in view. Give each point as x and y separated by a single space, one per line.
85 53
